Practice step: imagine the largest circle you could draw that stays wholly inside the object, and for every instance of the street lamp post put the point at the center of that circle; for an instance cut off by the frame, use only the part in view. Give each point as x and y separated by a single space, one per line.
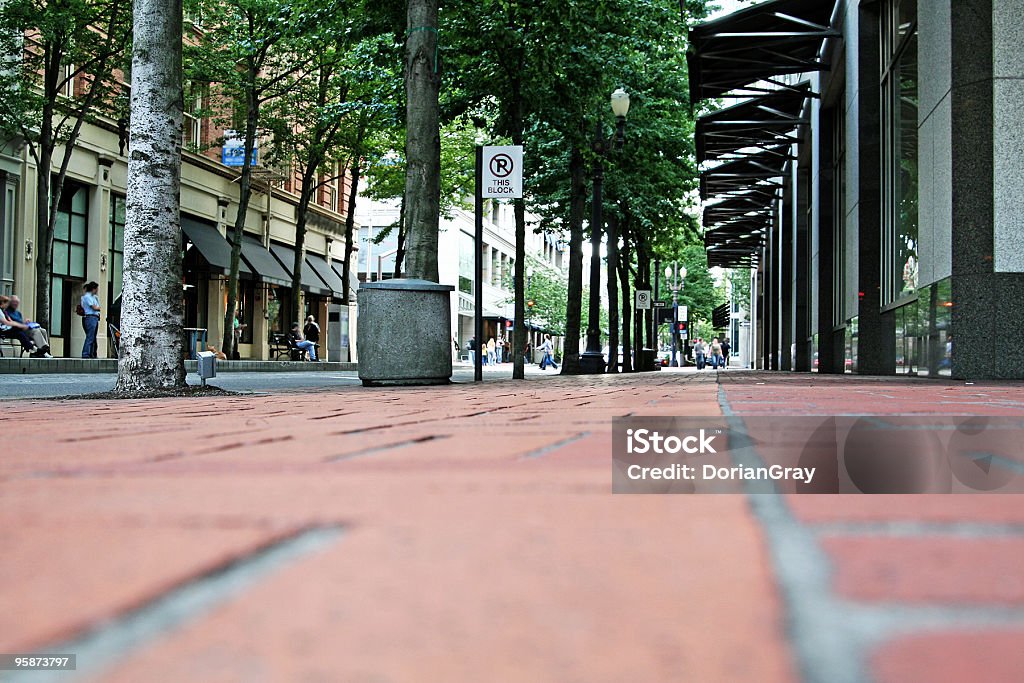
678 275
592 361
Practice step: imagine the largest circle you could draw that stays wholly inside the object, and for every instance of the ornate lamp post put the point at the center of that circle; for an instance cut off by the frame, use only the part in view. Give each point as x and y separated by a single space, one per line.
678 275
592 361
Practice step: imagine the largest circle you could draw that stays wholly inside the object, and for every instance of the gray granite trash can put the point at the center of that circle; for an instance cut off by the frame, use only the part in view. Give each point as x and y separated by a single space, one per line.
405 335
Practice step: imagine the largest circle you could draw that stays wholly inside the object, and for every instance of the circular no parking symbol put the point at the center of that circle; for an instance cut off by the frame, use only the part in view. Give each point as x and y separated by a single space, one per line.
502 166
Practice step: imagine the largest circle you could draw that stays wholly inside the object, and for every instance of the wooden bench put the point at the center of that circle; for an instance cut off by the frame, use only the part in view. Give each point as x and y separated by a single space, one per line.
14 345
280 346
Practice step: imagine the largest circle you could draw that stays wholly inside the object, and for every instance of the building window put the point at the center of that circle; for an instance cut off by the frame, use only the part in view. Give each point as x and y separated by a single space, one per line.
466 263
378 247
70 235
193 118
115 248
7 219
899 150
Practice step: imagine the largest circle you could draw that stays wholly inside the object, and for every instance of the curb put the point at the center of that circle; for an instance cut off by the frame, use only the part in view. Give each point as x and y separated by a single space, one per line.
68 366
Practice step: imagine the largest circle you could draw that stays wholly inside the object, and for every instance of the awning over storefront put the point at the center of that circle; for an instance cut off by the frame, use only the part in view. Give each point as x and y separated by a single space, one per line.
264 265
326 273
353 277
743 53
215 250
757 124
311 282
744 149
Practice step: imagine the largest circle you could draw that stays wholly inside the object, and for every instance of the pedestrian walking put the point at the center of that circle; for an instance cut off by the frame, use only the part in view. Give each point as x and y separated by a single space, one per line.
89 309
492 358
547 357
471 347
716 354
499 350
698 353
725 353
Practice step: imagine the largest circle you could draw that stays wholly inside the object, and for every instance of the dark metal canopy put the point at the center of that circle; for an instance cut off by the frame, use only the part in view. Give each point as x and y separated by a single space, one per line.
758 44
758 171
756 124
744 149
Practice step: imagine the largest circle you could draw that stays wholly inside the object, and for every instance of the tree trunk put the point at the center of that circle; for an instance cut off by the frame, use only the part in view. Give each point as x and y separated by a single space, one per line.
423 140
573 310
44 238
400 251
244 195
152 307
350 225
305 197
613 293
627 308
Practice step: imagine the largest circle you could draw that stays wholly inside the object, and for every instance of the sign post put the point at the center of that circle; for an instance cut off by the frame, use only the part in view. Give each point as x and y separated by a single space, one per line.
499 175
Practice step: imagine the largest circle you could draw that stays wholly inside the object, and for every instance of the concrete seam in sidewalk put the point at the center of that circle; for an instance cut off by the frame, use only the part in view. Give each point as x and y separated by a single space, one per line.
833 637
119 638
826 648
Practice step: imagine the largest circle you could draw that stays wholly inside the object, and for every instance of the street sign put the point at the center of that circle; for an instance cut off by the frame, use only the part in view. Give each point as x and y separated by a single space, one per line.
659 304
684 313
232 152
643 299
502 172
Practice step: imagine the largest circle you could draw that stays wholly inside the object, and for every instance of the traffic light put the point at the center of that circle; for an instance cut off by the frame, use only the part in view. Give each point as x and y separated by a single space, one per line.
681 325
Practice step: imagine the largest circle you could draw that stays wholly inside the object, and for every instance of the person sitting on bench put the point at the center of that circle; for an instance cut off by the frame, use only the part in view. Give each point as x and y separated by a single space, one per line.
13 329
34 331
297 341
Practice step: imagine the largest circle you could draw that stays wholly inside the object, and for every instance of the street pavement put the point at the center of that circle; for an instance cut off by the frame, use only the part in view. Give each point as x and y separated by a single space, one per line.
468 533
57 385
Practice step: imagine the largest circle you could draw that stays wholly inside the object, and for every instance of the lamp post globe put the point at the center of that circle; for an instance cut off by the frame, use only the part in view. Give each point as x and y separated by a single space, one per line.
620 103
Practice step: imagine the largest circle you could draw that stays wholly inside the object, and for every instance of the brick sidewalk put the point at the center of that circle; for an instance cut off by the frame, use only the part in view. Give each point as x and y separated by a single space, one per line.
467 533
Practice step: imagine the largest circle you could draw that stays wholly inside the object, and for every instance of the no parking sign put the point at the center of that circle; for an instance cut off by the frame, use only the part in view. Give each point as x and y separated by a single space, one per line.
503 172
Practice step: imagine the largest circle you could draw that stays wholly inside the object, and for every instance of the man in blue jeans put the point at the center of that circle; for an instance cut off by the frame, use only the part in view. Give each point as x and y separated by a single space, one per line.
90 319
301 343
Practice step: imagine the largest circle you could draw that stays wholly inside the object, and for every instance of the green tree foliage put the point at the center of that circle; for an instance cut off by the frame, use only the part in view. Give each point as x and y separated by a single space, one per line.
58 72
248 52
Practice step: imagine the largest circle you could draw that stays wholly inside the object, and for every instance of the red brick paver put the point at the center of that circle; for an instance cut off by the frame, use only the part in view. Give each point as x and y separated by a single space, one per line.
481 540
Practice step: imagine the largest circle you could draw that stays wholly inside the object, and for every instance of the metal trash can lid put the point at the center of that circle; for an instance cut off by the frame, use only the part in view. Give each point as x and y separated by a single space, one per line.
408 284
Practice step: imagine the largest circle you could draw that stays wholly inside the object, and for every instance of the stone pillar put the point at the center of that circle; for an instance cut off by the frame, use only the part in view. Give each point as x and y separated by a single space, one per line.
824 221
986 148
771 294
876 342
801 318
787 254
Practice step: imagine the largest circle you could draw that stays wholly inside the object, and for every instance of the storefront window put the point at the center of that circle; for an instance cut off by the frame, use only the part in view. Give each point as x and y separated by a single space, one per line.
7 208
115 248
900 153
70 236
467 250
